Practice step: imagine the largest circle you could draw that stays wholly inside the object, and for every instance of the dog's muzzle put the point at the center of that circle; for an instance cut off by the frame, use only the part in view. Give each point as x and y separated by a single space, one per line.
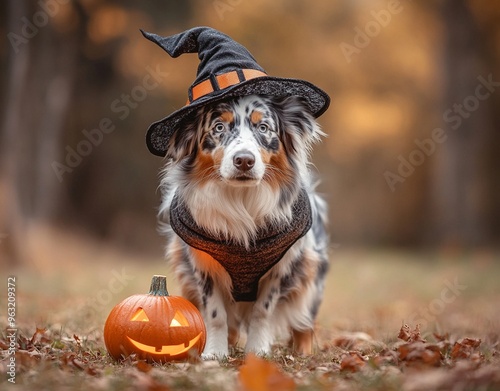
244 160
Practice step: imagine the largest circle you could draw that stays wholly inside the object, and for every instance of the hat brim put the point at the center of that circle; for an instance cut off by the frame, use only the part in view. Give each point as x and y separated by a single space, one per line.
159 133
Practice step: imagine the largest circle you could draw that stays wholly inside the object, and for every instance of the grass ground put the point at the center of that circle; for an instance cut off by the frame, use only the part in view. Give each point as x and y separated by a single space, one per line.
63 297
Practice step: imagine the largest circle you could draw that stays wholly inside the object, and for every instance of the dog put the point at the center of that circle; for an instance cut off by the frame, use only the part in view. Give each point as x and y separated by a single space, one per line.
240 167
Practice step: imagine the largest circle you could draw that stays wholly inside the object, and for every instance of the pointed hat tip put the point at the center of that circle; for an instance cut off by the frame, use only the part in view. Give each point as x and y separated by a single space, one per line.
152 37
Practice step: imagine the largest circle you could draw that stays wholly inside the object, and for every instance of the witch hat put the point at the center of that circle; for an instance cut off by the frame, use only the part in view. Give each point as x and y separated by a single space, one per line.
226 70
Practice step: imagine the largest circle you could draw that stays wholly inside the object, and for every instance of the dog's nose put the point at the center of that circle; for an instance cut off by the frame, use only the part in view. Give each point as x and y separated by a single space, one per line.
244 160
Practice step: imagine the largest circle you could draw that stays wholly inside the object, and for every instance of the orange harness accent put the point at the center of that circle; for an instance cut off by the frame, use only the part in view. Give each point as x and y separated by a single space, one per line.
222 81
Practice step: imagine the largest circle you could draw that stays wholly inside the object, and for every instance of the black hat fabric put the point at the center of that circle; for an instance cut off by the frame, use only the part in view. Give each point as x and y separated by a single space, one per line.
226 70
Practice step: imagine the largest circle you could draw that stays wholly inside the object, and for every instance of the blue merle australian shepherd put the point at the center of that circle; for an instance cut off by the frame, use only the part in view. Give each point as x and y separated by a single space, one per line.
247 230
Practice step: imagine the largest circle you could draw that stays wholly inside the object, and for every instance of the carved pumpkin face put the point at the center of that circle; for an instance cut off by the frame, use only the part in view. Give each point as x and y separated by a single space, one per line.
156 327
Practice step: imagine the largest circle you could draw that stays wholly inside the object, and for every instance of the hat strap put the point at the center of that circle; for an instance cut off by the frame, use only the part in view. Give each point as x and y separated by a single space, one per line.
220 82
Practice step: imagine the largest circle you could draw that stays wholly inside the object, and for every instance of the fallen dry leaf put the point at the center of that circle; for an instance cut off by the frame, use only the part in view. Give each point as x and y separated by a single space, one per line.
442 337
40 336
93 371
258 374
143 366
384 357
465 348
417 352
351 341
406 334
352 362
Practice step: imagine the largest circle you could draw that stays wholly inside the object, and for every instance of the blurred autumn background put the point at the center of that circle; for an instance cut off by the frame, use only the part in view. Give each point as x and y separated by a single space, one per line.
411 157
410 167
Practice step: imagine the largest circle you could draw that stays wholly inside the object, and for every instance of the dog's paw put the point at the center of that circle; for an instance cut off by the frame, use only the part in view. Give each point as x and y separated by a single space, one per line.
260 351
212 356
260 348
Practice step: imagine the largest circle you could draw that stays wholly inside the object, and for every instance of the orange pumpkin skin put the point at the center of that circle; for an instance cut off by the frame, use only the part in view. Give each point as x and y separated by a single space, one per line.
155 326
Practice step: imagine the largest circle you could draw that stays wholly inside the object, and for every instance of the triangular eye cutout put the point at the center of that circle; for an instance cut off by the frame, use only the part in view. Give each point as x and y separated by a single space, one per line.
140 316
179 320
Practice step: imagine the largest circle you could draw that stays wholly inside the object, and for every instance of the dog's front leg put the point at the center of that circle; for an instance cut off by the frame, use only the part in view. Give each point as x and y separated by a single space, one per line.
260 337
215 317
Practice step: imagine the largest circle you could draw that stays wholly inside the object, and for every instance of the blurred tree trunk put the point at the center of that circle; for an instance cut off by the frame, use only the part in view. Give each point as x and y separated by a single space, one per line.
41 75
56 72
12 224
460 184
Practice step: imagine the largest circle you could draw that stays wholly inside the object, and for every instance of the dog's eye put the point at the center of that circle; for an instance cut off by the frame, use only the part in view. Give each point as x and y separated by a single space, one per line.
263 128
219 127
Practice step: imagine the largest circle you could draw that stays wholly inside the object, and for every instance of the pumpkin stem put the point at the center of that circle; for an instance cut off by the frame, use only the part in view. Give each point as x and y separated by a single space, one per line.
158 286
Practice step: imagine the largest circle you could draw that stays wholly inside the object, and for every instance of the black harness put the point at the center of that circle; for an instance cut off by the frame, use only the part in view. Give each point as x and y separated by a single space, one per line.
244 266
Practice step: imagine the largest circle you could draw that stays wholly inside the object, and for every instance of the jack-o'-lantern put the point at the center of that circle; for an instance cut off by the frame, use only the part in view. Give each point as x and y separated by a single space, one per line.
155 326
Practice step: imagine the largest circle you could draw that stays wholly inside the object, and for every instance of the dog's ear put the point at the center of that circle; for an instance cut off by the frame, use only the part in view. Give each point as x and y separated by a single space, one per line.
183 141
298 126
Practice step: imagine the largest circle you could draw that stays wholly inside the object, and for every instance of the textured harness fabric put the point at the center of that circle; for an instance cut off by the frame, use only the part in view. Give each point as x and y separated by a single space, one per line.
244 266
